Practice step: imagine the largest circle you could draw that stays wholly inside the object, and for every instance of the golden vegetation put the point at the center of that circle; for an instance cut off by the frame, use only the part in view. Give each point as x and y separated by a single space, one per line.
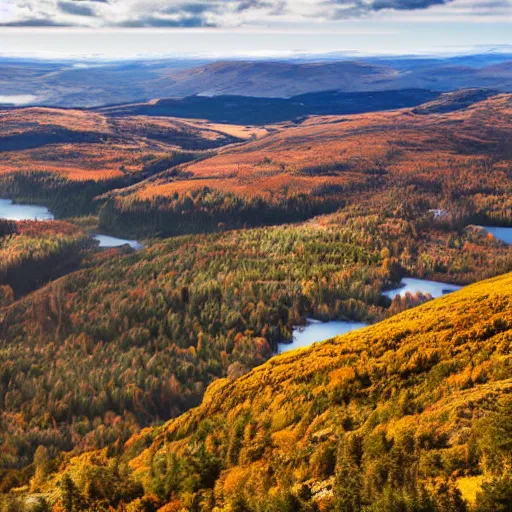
83 145
347 150
401 414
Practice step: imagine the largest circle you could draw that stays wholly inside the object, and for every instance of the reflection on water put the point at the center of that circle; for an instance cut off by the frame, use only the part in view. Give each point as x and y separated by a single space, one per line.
412 285
112 241
11 211
318 331
503 234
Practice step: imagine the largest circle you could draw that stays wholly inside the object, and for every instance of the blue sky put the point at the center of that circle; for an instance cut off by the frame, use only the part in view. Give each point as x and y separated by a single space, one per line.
128 28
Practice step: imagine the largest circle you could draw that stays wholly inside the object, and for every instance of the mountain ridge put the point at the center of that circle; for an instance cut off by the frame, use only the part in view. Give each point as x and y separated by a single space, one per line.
106 83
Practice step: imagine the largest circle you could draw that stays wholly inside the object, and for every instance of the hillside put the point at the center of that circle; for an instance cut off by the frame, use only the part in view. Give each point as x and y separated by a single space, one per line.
451 101
33 253
351 149
262 111
278 79
412 414
313 167
92 84
80 144
166 176
134 339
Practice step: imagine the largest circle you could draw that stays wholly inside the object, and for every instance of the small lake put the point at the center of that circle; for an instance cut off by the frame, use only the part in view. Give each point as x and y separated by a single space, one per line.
11 211
503 234
112 241
17 99
412 285
314 331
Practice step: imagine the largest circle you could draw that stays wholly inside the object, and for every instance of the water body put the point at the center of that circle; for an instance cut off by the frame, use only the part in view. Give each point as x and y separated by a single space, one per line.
17 99
315 331
112 241
11 211
412 285
503 234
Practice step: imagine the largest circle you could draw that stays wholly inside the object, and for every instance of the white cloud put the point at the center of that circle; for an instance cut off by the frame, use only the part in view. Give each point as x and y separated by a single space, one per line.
230 13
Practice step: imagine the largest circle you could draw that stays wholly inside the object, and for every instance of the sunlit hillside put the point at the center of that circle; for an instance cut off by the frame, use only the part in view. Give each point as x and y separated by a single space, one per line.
318 165
413 414
344 151
80 144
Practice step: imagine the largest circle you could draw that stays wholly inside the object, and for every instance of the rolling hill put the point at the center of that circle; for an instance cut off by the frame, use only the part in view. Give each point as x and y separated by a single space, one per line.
345 150
264 111
279 79
301 170
363 418
100 83
153 175
413 413
80 144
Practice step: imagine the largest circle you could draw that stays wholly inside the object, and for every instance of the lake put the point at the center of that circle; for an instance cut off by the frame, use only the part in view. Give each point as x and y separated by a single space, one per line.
503 234
17 99
412 285
314 331
112 241
11 211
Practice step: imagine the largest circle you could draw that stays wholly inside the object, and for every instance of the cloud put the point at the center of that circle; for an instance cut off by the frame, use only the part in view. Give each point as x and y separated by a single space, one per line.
406 5
358 8
34 22
221 13
76 8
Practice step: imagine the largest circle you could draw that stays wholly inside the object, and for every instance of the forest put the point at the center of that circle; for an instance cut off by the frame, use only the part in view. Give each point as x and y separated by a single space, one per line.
143 334
411 414
298 172
98 348
34 253
458 157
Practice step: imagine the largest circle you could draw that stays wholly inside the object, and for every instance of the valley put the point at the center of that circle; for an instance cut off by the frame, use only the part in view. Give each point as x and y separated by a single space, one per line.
398 413
157 274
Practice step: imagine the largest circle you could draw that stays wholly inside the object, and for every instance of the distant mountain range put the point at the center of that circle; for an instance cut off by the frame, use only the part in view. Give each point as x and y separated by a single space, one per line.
92 84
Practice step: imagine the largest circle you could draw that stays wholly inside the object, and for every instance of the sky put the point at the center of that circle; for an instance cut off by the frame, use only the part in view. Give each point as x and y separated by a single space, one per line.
218 28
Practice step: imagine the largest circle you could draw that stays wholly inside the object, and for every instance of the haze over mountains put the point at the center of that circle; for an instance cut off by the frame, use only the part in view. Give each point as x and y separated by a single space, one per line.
91 84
